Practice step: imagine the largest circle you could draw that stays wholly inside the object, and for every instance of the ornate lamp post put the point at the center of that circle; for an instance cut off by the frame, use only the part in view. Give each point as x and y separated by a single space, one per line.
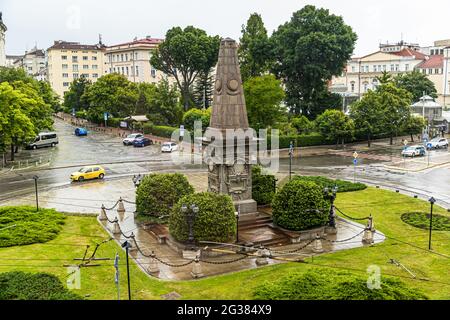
331 194
237 214
190 214
432 201
137 180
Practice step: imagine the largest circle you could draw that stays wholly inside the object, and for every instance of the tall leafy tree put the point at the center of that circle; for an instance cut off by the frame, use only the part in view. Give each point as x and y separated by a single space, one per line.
75 98
334 125
184 54
112 93
417 84
164 105
203 90
263 97
309 50
255 54
414 125
367 115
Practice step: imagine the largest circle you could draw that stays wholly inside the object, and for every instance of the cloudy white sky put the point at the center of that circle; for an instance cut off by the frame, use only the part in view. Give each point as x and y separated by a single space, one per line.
30 22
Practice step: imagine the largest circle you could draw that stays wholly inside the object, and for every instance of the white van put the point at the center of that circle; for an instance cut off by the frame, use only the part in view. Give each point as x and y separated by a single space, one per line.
44 139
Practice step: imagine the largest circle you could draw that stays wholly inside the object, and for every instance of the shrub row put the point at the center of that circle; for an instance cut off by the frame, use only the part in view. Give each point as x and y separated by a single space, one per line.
303 140
263 186
160 131
343 186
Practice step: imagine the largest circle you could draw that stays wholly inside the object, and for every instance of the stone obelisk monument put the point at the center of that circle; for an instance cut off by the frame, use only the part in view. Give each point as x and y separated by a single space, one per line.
232 176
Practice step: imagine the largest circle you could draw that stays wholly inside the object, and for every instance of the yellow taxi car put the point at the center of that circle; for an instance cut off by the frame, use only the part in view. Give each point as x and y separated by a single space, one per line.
87 173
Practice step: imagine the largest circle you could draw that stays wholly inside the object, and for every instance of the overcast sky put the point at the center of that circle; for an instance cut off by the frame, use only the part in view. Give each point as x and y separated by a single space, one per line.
118 21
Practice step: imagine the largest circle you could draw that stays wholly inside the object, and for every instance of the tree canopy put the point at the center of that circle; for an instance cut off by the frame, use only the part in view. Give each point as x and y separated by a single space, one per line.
309 50
335 126
417 84
184 54
255 54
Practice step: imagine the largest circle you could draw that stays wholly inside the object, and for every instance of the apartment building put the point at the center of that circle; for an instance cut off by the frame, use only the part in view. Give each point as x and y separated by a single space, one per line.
68 61
33 62
2 42
132 59
361 73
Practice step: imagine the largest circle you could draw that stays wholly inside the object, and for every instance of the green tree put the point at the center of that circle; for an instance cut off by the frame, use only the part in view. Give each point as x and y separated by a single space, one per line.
75 98
335 126
184 54
395 107
112 93
165 105
302 124
309 50
367 115
255 54
263 96
417 84
203 90
414 125
193 115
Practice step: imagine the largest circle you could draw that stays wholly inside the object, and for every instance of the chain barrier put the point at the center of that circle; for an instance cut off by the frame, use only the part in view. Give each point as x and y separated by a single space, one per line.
128 201
347 216
113 207
295 250
245 256
345 240
152 255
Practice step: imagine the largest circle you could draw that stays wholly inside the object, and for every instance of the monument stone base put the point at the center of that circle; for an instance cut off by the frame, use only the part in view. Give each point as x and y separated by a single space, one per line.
246 206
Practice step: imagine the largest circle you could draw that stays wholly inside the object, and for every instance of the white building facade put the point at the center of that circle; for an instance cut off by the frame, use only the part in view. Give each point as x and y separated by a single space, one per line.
2 42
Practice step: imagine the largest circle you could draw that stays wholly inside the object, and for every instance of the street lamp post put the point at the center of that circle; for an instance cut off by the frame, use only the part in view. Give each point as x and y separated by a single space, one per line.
291 154
332 196
36 190
190 215
237 214
432 202
127 246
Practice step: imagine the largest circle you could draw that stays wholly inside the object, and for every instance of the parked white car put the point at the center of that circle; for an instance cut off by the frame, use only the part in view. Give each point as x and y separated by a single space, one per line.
169 147
128 141
437 143
414 151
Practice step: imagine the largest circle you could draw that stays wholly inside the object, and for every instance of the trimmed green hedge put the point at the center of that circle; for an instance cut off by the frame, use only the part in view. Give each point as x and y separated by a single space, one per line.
294 206
30 226
33 286
158 193
343 186
160 131
215 220
263 186
421 220
326 284
303 140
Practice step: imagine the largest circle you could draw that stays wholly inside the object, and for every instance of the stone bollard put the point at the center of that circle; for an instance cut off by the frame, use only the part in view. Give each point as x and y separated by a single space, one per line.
197 269
116 227
153 265
368 232
262 258
121 208
317 246
102 216
133 242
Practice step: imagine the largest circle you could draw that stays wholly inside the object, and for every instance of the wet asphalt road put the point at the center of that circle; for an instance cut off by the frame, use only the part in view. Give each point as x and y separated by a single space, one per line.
121 161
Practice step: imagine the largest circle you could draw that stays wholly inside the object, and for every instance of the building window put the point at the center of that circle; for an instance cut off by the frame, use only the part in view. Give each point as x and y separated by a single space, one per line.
406 67
74 51
65 66
85 67
75 59
367 69
95 75
374 68
397 67
85 75
432 52
65 84
135 56
75 67
374 83
75 75
85 58
384 68
366 86
126 56
64 57
137 71
153 72
353 69
430 71
121 57
127 71
352 85
392 67
94 58
94 67
65 75
123 70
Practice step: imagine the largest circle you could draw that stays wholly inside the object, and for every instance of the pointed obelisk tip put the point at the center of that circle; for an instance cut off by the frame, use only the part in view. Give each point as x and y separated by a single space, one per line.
229 110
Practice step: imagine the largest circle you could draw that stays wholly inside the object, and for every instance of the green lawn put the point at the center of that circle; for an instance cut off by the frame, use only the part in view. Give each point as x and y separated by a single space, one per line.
386 208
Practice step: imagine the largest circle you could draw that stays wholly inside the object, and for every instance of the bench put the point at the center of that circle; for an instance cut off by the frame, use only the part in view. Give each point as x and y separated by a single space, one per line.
160 232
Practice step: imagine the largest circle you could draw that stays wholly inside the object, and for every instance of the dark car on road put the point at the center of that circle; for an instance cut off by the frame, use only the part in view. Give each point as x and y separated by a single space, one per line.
142 142
81 132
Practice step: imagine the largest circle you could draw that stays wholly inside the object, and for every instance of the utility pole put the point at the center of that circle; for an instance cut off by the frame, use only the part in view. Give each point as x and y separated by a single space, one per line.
127 246
36 190
432 202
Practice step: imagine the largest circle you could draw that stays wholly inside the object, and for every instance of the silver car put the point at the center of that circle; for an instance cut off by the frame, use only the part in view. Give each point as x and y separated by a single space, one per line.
44 139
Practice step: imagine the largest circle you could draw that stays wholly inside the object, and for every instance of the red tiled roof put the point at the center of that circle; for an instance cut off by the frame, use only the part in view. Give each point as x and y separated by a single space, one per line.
434 62
75 46
141 41
407 52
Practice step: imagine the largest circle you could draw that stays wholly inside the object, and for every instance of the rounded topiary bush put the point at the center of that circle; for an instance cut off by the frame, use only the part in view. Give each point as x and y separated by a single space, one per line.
263 186
158 193
294 206
215 220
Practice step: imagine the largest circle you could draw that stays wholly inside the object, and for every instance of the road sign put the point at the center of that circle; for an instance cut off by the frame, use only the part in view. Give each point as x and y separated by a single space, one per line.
355 161
105 116
181 130
355 154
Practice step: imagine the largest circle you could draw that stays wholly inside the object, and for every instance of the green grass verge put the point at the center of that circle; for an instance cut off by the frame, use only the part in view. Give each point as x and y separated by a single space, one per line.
386 207
421 220
342 185
25 225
